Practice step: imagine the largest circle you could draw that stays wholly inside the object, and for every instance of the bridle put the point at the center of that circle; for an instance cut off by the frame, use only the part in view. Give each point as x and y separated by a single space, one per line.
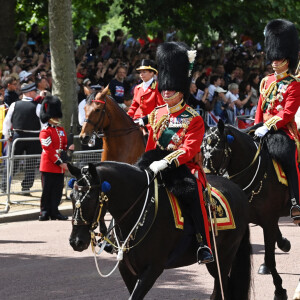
226 158
112 132
99 124
220 171
78 218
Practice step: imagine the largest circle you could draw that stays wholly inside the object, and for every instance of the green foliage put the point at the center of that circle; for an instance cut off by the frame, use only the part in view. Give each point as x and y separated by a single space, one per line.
189 17
199 17
29 12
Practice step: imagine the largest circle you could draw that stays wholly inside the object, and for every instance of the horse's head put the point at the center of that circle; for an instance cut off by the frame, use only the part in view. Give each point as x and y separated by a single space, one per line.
86 208
96 117
216 149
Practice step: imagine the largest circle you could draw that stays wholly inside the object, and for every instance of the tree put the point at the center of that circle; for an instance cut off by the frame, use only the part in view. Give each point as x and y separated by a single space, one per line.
7 27
200 17
62 57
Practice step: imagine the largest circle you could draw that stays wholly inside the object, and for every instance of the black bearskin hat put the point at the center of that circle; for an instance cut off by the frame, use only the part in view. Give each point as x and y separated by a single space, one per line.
281 41
173 67
51 108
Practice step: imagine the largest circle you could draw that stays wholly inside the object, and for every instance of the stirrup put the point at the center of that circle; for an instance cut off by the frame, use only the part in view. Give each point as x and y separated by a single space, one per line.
208 256
295 213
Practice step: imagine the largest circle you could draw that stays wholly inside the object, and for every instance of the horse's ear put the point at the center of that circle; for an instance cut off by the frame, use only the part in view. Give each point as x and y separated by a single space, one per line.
93 171
104 92
74 170
221 126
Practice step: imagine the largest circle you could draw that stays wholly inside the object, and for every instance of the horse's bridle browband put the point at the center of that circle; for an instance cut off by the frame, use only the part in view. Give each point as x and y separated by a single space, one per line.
100 122
123 131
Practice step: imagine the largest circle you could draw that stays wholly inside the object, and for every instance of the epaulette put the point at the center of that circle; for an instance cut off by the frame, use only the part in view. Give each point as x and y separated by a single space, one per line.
263 82
139 85
296 77
153 85
193 112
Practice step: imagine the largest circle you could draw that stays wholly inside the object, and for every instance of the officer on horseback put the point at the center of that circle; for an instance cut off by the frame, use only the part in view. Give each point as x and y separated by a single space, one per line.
176 127
278 104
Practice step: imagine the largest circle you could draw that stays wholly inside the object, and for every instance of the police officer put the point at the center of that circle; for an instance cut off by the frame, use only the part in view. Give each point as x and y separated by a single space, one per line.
23 118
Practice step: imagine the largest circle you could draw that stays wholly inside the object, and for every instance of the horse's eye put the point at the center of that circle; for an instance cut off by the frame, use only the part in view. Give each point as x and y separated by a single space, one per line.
97 110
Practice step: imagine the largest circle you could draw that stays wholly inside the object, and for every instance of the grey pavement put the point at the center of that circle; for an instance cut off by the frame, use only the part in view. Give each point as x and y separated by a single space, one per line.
30 213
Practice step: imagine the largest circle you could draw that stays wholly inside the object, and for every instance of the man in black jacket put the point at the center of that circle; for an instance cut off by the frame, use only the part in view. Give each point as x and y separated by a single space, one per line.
23 118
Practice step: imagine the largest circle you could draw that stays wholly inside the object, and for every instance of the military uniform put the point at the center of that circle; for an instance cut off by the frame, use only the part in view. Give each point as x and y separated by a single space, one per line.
277 106
144 102
180 130
278 103
54 141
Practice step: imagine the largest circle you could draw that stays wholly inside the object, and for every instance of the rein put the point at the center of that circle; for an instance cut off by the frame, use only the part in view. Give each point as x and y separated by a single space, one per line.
257 155
109 133
227 150
122 248
135 203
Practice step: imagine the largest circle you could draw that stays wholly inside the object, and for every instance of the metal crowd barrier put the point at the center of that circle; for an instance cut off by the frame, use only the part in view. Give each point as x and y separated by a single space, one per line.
13 167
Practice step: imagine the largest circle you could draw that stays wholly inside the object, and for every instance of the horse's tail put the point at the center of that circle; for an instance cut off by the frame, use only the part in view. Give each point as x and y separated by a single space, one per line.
240 277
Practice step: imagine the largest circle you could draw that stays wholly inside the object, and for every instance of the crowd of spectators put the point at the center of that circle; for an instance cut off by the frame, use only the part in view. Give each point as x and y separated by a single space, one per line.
225 78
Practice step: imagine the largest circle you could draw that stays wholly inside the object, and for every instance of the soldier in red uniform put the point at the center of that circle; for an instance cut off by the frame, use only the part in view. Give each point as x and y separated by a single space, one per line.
279 102
178 128
53 164
146 95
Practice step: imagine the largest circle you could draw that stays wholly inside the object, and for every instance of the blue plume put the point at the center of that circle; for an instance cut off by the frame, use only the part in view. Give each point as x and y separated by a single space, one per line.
71 182
105 187
230 139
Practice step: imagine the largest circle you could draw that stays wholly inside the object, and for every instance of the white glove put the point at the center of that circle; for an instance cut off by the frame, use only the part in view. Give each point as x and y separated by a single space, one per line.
159 165
261 131
139 122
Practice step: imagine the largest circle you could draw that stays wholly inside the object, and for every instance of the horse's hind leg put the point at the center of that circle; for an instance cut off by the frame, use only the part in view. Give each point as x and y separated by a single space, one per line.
127 276
145 282
283 244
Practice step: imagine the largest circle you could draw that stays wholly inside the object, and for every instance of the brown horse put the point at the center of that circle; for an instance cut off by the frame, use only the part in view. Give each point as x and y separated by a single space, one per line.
123 140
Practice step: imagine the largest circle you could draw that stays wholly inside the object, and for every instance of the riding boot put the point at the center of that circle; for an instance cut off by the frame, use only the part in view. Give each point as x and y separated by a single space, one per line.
204 253
293 182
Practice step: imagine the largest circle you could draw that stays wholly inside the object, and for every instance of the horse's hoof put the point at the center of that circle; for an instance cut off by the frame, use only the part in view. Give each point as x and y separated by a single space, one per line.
284 245
264 270
280 296
297 292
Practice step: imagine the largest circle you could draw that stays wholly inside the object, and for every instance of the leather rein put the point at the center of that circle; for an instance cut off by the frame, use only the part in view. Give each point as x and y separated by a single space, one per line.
78 218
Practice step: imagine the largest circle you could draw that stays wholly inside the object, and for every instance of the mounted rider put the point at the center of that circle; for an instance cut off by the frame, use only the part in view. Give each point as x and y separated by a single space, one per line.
179 129
278 104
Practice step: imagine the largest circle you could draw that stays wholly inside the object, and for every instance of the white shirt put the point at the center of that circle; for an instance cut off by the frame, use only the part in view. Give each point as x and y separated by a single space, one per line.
211 92
81 112
147 84
231 96
7 120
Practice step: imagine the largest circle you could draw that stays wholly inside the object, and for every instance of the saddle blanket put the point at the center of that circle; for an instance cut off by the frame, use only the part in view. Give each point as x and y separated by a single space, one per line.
280 173
224 215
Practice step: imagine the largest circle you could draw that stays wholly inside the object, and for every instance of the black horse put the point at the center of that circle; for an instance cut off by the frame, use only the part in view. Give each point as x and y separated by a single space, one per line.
158 245
247 162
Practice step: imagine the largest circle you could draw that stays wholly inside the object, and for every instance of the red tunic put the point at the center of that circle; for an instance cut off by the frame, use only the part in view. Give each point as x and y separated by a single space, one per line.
53 140
180 130
278 103
144 102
